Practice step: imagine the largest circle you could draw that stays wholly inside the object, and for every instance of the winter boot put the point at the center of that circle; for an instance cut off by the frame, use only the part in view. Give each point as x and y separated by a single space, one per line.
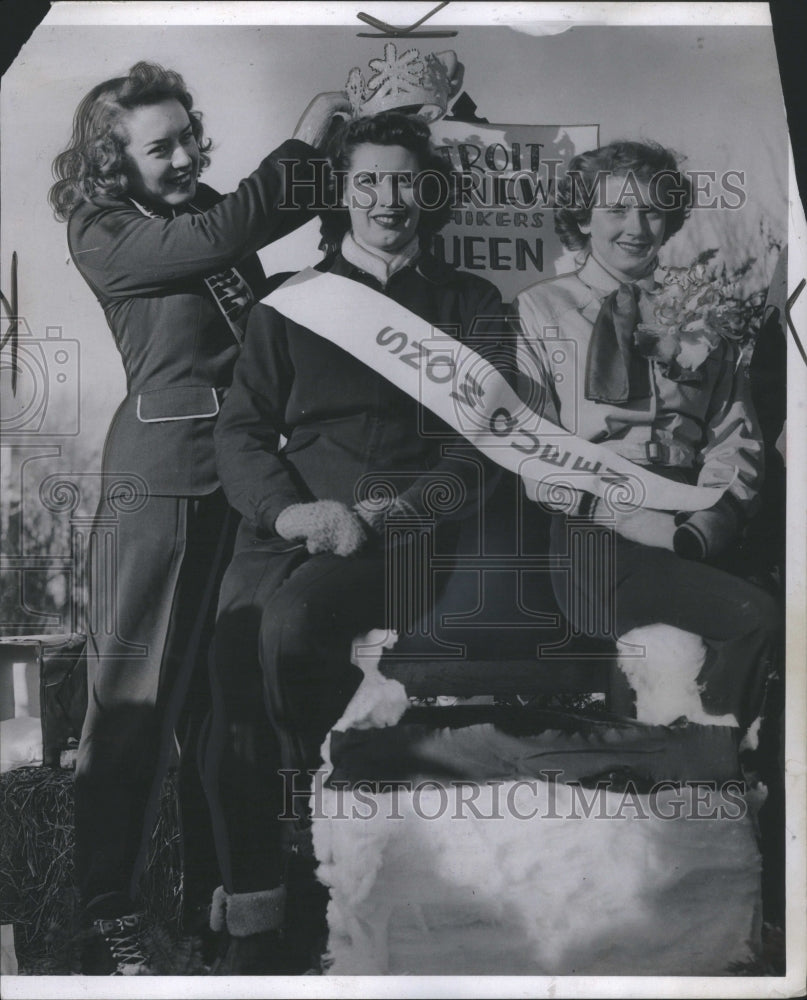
251 924
114 947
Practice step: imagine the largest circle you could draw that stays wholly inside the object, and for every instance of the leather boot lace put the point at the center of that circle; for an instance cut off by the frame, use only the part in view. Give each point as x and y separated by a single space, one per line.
122 937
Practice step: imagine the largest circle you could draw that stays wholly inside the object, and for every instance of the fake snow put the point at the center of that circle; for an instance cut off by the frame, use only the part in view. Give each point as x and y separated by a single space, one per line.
750 740
612 892
661 664
562 896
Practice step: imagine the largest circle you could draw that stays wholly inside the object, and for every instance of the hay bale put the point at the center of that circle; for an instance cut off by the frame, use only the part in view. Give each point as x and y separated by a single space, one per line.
38 891
37 886
161 884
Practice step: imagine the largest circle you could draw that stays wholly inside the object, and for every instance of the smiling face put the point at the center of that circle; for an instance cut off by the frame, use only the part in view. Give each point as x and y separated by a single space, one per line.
162 156
379 196
627 231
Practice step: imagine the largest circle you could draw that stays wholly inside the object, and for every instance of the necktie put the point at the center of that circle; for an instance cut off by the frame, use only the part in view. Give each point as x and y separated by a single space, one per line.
615 371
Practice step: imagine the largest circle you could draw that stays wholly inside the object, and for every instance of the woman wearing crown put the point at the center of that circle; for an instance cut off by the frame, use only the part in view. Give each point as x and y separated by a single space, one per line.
658 382
309 570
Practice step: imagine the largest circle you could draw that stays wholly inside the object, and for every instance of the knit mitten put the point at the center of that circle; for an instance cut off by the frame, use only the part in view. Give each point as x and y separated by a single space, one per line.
325 525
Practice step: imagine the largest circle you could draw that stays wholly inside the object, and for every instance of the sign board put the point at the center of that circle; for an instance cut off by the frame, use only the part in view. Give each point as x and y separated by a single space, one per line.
503 227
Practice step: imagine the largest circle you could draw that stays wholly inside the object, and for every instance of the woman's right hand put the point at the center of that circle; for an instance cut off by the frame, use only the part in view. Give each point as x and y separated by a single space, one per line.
318 117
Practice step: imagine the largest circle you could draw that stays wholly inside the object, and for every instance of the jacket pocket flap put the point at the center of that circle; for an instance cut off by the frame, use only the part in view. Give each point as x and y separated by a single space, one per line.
179 402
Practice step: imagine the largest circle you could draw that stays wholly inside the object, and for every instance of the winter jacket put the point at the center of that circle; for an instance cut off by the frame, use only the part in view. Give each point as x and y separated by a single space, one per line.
178 350
341 421
708 432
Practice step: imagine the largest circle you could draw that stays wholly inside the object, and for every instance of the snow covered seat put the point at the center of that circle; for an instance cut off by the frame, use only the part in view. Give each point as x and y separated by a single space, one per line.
488 841
428 894
480 840
475 845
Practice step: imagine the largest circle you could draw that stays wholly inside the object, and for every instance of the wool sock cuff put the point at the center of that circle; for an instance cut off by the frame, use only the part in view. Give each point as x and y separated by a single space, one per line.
245 913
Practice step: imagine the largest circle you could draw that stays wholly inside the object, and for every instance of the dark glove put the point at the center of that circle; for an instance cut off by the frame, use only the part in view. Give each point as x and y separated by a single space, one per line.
704 534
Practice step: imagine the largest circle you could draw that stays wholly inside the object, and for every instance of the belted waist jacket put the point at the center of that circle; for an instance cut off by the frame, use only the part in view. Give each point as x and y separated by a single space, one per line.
174 290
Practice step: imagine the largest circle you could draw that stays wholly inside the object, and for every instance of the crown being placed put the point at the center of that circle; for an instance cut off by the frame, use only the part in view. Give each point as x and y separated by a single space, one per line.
409 80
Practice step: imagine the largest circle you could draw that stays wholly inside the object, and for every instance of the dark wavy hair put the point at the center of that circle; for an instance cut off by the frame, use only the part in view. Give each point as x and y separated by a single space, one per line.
389 128
93 164
649 162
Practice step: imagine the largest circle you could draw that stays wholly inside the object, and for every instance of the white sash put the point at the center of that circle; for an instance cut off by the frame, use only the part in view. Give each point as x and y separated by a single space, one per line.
470 395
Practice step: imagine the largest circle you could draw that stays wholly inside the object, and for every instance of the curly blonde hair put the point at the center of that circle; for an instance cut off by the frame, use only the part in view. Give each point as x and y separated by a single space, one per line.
93 164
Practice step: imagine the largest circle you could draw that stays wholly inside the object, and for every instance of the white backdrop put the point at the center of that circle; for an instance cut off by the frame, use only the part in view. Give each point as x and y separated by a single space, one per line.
710 93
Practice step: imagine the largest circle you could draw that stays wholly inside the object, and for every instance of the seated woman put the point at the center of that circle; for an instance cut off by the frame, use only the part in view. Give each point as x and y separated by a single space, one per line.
309 571
692 422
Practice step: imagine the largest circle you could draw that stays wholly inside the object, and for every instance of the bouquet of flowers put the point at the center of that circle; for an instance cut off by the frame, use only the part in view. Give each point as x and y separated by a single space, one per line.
696 309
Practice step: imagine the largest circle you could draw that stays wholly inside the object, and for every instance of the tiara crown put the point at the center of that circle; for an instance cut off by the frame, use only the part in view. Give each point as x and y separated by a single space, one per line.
427 82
